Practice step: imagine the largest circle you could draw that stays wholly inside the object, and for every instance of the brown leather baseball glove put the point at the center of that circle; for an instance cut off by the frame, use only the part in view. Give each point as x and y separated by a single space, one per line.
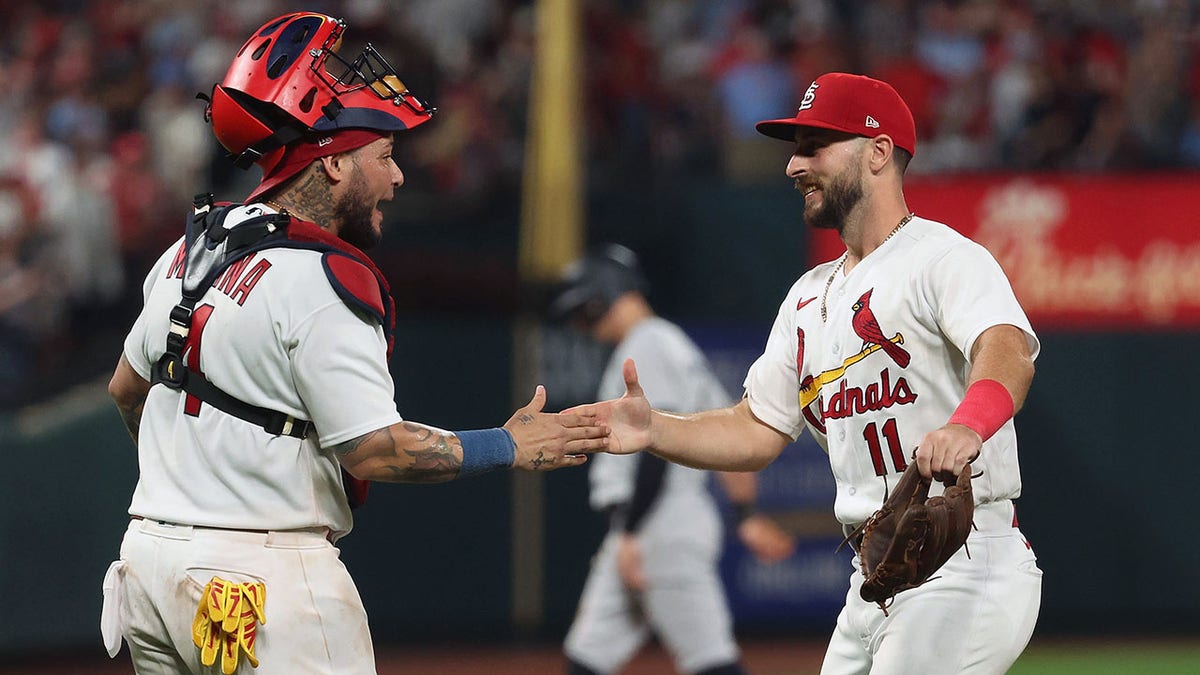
911 536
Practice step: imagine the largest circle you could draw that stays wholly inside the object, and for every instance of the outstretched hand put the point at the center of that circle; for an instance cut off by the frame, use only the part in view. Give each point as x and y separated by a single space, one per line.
627 418
547 441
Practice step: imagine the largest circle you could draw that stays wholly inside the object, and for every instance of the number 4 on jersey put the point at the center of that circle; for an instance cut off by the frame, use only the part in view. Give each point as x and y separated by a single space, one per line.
871 434
191 353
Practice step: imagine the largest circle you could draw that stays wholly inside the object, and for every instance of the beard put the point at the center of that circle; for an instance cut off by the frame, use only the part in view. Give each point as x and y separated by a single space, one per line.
842 194
353 213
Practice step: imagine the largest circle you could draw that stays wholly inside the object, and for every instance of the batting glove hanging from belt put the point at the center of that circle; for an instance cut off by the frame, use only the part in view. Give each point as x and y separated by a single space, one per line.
227 621
911 536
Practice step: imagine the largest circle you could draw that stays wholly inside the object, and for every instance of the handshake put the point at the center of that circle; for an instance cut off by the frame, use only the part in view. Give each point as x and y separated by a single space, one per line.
547 441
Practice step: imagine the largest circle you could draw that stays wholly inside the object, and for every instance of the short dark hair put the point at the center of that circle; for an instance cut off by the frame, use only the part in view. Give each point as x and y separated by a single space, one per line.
902 157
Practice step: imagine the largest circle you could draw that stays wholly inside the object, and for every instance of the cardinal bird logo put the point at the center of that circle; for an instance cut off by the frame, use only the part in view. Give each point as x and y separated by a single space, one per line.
867 328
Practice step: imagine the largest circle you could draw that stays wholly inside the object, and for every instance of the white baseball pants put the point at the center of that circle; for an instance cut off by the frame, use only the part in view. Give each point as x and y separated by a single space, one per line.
315 621
974 618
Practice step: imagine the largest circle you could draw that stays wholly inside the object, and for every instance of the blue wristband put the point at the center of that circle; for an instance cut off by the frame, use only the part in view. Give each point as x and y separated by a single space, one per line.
486 450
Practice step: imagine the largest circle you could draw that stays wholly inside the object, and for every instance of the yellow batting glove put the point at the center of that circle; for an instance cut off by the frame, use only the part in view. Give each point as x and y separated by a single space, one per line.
255 595
229 653
200 623
212 644
253 612
226 621
247 633
217 599
233 609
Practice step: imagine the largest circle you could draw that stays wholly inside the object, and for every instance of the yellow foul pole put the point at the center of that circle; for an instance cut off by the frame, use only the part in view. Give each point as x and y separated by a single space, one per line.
551 236
551 205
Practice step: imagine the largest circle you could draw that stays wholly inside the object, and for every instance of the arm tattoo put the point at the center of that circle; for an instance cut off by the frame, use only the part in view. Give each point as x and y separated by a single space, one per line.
131 415
432 460
348 447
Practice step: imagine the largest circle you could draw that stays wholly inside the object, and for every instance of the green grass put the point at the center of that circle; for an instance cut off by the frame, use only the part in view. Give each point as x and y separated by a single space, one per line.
1117 658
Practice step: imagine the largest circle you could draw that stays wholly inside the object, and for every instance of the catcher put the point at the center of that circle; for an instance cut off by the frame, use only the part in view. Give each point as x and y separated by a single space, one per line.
911 337
255 381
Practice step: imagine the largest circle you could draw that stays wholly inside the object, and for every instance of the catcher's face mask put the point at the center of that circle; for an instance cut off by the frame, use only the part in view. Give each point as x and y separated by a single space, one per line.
288 80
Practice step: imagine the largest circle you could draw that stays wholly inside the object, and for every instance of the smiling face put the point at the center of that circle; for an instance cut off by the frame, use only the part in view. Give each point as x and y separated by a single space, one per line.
827 169
371 177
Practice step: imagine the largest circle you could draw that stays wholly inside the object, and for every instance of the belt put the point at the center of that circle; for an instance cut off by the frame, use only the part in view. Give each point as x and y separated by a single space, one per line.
328 533
202 527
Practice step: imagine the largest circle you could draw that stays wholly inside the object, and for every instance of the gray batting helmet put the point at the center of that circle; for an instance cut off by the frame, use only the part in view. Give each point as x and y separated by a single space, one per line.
591 284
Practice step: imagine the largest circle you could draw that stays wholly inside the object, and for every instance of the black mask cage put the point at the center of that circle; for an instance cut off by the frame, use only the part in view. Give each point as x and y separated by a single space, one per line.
368 70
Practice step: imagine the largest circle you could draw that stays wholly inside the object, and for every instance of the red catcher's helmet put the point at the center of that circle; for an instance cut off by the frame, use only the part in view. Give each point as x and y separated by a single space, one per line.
288 81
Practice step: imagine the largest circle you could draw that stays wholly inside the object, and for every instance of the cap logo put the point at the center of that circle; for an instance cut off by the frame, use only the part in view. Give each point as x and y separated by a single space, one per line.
324 141
809 96
872 123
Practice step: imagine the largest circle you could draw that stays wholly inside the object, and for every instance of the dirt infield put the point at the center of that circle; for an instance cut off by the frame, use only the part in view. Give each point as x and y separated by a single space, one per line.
760 658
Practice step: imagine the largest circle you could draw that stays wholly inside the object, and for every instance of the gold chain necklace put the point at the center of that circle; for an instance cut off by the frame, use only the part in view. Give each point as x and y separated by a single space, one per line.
842 262
275 205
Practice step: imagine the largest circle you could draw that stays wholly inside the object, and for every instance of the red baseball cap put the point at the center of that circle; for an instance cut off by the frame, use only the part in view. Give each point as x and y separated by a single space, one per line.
855 104
298 155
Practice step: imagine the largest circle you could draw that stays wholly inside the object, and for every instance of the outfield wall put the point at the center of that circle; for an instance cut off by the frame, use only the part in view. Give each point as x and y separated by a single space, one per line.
1108 442
1108 457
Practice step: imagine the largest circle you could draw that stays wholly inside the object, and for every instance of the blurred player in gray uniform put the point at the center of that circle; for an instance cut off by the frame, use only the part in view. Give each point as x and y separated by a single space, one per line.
656 570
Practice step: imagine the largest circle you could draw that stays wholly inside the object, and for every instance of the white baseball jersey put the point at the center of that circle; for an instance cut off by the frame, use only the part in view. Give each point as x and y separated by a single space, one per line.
928 293
273 333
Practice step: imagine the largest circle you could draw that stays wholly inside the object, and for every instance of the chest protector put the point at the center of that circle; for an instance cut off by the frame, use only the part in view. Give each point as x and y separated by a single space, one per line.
217 237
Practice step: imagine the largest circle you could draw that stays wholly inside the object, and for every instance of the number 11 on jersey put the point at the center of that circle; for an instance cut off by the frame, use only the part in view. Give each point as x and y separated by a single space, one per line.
871 434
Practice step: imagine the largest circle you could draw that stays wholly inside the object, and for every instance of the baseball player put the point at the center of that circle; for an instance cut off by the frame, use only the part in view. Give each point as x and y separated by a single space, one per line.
255 381
910 347
656 570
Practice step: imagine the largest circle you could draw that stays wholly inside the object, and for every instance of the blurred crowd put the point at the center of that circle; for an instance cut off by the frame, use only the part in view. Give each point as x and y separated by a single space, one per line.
103 143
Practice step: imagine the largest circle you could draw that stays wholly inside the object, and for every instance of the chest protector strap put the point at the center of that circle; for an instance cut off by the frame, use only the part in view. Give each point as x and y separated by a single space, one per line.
219 236
214 241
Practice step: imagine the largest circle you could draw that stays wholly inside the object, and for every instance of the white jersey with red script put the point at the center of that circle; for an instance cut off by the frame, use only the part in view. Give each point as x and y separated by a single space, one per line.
889 362
271 332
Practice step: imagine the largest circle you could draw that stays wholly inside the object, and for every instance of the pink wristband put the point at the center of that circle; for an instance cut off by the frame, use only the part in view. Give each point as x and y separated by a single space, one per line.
985 408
